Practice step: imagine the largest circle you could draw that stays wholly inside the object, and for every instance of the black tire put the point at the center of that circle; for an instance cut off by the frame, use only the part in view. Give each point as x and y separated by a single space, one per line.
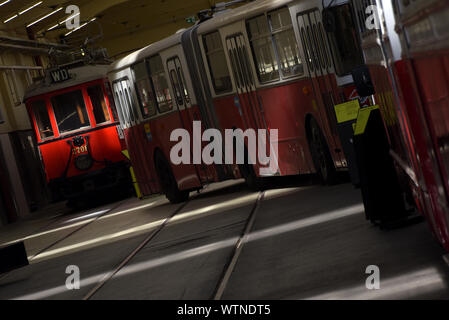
168 182
252 180
321 155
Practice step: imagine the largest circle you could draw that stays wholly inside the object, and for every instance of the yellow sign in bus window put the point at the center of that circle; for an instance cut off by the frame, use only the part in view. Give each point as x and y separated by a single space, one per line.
347 111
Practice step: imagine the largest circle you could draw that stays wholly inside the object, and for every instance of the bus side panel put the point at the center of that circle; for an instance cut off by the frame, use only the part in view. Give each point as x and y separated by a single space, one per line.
285 108
139 167
229 117
207 172
159 138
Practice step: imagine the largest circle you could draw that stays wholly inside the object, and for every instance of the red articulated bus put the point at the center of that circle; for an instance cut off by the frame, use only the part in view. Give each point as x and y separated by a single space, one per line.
408 59
77 130
266 65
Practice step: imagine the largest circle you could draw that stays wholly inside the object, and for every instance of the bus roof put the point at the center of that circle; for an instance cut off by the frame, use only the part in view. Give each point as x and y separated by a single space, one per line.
251 9
80 75
145 52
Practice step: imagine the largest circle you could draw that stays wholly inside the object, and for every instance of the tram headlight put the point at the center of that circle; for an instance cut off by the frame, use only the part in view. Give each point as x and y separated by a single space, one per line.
84 162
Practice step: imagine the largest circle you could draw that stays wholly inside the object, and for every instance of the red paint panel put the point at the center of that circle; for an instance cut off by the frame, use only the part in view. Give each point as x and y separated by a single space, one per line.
104 144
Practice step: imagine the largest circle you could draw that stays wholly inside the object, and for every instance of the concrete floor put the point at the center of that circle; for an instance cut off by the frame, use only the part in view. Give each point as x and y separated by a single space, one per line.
307 242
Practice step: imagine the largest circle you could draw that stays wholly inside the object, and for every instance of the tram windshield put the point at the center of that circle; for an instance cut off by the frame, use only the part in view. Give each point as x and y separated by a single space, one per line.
42 119
70 111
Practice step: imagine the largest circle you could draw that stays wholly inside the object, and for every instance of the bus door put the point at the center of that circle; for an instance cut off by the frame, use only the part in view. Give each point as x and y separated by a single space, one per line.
320 67
187 113
247 100
128 118
251 109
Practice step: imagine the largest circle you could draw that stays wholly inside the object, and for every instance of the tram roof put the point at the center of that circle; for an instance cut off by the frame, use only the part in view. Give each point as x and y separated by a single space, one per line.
80 75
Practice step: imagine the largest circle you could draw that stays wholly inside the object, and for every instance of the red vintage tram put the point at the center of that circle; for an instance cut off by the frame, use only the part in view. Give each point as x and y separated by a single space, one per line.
266 65
78 132
408 59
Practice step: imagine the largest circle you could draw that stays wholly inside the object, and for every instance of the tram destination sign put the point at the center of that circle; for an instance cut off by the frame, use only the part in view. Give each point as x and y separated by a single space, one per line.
59 75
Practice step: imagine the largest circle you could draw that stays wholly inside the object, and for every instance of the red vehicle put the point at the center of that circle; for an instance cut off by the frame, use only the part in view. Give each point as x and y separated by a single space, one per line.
408 59
77 132
266 65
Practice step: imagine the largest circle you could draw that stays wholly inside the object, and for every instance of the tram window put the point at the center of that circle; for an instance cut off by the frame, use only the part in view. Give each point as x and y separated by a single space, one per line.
144 90
100 108
263 50
344 41
160 83
70 111
42 119
286 44
219 71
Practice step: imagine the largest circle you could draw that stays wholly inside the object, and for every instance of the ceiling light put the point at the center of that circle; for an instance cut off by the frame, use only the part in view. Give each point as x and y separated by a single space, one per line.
44 17
4 2
33 6
51 28
81 26
69 18
9 19
63 21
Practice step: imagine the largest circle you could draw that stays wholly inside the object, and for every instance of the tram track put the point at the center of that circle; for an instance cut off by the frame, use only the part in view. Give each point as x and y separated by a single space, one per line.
228 267
232 262
125 261
59 240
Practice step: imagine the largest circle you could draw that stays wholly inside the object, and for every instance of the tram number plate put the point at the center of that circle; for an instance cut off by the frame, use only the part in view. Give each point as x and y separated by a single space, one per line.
79 150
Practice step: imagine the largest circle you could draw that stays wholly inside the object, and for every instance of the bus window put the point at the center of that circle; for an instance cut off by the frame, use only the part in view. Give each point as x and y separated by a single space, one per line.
144 89
314 48
112 103
263 50
176 87
70 111
344 41
160 83
221 79
131 106
306 45
100 108
183 85
325 45
42 119
286 44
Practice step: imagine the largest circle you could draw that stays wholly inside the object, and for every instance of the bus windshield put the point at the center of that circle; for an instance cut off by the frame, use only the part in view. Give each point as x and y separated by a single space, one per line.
70 111
344 40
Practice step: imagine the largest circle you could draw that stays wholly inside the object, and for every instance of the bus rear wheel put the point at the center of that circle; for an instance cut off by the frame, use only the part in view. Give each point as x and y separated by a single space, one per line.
168 182
321 155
